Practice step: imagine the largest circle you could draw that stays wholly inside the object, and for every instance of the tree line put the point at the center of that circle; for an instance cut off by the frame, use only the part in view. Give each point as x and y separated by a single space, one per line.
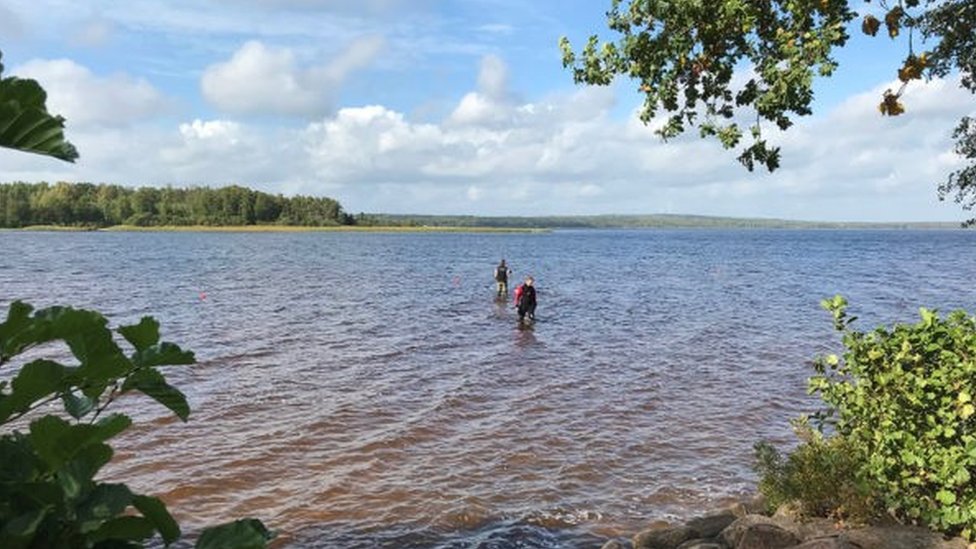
104 205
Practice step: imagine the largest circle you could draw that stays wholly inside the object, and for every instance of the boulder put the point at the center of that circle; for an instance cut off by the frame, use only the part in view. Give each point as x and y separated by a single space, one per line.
900 537
663 538
756 505
701 544
830 542
612 544
710 526
812 528
758 532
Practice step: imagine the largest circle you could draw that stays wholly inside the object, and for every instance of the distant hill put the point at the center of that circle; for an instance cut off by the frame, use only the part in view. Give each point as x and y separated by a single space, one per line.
630 222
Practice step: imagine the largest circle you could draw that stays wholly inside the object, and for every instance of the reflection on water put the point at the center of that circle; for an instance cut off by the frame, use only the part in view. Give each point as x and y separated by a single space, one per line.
366 390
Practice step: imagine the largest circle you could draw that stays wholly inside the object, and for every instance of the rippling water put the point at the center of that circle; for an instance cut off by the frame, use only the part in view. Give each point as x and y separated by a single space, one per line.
365 390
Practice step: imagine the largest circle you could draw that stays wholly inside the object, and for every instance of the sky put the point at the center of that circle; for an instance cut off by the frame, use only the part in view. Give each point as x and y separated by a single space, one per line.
444 107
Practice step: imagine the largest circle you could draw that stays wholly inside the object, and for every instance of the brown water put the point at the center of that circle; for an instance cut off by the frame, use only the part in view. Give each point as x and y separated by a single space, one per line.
365 390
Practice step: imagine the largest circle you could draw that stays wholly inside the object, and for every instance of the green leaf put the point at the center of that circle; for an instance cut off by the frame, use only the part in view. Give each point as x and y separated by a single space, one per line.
967 411
19 531
77 406
25 123
152 383
155 511
105 502
56 441
127 528
87 335
142 335
20 465
240 534
946 497
12 340
35 381
76 476
163 354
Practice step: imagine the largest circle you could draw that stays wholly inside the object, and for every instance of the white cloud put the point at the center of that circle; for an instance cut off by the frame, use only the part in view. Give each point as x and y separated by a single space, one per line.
263 80
87 99
492 102
222 130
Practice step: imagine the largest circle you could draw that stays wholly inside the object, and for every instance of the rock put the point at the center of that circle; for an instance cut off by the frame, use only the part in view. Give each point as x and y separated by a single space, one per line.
710 526
612 544
831 542
900 537
758 532
756 505
701 544
663 538
813 528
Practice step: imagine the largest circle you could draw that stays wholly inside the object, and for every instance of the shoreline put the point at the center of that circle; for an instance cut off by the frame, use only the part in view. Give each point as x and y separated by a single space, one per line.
278 229
453 228
749 524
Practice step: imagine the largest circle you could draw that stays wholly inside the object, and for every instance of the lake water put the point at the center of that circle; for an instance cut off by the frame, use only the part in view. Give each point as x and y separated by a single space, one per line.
365 390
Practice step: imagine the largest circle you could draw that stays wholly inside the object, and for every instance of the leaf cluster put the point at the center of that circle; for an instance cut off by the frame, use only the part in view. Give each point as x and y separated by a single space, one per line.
48 493
25 123
902 399
684 54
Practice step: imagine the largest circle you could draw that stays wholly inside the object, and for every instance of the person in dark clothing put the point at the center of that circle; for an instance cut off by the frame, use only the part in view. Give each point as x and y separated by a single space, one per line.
501 278
525 300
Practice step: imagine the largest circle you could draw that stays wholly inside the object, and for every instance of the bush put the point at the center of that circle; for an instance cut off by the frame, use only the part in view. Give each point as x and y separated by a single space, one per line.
48 493
820 477
902 400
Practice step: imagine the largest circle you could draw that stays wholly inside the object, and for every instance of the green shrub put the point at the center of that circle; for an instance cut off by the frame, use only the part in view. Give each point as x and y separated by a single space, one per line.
48 493
903 399
819 477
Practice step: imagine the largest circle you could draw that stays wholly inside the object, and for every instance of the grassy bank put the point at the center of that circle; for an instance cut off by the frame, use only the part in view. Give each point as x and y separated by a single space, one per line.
58 228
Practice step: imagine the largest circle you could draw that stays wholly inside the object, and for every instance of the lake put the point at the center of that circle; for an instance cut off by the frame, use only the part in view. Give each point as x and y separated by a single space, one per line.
366 390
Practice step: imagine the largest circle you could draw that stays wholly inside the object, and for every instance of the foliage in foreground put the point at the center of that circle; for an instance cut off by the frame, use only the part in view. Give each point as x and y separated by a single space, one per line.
49 496
26 125
820 477
899 403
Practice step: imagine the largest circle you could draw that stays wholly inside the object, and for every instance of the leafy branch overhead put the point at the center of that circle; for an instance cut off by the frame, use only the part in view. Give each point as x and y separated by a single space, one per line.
25 123
729 66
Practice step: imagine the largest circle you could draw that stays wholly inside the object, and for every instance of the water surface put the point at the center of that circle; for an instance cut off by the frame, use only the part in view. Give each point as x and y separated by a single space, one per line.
365 390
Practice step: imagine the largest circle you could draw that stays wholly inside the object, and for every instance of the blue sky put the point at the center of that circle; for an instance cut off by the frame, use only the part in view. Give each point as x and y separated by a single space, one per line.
436 106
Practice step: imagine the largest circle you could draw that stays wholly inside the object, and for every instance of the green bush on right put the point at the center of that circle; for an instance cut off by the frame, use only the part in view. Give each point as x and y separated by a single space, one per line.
900 401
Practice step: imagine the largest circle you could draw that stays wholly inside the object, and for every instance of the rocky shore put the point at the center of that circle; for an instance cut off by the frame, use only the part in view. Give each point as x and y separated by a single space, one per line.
744 526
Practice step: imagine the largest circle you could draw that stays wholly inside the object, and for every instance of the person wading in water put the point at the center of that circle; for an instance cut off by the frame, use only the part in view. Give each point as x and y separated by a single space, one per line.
525 300
501 278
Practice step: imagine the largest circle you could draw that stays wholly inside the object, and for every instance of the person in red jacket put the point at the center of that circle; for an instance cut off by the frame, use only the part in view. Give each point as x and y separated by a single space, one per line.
525 301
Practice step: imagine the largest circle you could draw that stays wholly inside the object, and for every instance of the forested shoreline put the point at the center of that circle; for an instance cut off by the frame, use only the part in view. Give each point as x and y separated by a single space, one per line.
106 205
94 206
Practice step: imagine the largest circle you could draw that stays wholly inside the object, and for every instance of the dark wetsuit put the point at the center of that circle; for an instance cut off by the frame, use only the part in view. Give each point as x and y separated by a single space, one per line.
526 303
501 279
